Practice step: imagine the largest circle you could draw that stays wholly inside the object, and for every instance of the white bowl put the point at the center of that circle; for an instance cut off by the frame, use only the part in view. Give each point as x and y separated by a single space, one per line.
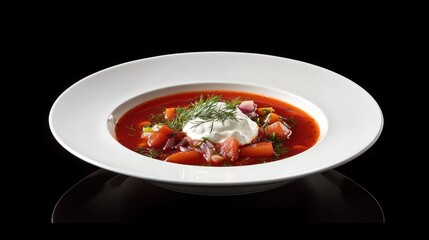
82 119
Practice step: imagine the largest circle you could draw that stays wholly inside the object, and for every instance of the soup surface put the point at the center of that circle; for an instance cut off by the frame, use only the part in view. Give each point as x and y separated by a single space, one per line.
217 128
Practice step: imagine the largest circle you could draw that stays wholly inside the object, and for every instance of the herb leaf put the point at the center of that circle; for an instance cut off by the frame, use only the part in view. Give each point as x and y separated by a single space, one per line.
207 110
149 152
278 144
290 121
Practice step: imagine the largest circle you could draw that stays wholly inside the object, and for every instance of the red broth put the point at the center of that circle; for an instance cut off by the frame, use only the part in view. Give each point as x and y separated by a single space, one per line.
305 130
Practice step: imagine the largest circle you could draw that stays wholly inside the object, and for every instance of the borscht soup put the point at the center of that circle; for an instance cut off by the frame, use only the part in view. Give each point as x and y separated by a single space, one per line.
217 128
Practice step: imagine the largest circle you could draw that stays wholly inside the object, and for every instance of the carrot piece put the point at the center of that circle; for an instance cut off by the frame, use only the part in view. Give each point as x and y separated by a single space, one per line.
262 149
229 149
279 129
192 157
264 111
170 113
216 160
272 118
156 140
143 124
164 129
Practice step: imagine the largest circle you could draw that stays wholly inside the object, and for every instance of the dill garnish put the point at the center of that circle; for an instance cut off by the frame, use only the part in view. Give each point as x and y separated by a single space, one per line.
290 121
149 152
206 110
157 118
278 144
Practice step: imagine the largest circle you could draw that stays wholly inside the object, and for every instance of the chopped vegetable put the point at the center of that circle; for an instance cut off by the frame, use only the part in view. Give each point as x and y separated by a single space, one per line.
271 118
170 113
247 106
156 140
262 149
164 129
264 111
279 129
229 149
206 128
143 124
192 157
278 144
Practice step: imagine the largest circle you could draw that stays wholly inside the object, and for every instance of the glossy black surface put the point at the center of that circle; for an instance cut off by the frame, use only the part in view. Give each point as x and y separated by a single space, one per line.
107 197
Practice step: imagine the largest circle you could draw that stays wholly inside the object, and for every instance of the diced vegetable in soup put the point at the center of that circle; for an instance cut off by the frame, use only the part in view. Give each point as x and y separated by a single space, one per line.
217 128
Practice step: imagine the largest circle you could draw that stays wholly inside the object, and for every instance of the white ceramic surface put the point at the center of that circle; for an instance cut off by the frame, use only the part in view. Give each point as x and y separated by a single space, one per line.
82 119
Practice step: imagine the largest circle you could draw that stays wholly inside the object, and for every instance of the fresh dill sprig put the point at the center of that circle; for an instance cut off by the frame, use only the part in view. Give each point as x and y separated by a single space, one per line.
158 118
207 110
290 121
278 144
149 152
232 104
175 123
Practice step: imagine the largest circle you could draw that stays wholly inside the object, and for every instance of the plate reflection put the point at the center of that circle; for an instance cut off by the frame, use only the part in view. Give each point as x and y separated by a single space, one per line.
104 197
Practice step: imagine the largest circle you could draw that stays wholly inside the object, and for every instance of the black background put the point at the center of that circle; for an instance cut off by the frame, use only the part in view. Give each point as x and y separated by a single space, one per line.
52 55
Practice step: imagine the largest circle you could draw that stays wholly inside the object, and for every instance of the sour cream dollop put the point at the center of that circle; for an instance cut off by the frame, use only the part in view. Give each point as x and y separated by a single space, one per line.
244 130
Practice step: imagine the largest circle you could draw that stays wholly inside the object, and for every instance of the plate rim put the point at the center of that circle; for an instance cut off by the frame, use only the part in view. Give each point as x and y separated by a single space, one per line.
58 137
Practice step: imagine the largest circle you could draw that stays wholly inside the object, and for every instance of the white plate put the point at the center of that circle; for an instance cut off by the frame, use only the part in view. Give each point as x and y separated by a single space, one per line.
83 117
